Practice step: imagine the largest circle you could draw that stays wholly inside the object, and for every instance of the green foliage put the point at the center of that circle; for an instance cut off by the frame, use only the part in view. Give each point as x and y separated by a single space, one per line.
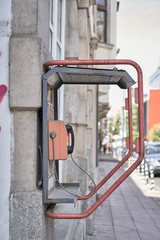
116 125
154 134
134 122
109 123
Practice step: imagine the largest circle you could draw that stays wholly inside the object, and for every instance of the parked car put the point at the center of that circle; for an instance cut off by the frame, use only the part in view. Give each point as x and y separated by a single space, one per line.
152 156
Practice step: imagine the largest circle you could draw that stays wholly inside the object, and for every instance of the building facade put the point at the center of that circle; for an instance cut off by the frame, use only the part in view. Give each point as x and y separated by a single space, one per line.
33 32
153 106
154 81
151 102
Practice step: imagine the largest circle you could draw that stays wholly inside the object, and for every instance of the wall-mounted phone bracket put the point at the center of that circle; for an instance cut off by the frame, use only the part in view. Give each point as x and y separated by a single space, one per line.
56 77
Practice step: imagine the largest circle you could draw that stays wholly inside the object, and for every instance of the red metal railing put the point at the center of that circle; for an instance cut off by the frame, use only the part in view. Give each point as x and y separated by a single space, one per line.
140 140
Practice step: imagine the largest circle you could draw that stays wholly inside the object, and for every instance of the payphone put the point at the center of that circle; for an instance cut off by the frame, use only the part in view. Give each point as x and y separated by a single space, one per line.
62 74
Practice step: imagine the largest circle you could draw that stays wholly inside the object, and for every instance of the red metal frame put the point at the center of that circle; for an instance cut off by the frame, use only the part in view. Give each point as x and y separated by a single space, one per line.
103 181
140 140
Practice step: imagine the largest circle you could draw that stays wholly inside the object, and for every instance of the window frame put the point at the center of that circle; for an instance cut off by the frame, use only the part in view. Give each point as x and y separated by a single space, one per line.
54 44
105 10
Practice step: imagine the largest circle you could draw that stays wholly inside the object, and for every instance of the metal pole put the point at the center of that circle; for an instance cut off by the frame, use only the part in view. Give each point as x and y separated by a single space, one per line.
146 173
152 177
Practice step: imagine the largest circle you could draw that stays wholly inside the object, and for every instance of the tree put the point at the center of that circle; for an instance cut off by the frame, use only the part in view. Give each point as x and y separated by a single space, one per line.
116 125
154 133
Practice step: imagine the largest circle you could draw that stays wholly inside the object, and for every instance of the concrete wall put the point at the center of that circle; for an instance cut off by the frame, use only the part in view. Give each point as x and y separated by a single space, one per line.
5 118
29 49
107 50
80 108
27 54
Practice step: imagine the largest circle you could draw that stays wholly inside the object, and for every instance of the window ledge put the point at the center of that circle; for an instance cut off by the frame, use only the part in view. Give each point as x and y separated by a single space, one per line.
106 45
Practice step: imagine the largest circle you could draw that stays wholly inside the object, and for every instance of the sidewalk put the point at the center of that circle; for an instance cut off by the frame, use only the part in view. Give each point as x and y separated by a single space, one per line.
130 213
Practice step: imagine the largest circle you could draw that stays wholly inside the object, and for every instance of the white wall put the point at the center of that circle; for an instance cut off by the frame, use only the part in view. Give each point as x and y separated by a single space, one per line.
5 31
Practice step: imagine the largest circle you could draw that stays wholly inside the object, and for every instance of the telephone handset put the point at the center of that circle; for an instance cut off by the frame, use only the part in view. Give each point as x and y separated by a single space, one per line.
70 148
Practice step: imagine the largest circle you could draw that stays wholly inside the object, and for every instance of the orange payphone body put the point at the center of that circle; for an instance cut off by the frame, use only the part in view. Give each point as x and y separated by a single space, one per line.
60 142
63 142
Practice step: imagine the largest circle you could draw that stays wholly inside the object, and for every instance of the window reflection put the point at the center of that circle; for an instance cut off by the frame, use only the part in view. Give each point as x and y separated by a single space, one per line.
58 53
50 41
59 19
101 25
101 2
102 20
51 11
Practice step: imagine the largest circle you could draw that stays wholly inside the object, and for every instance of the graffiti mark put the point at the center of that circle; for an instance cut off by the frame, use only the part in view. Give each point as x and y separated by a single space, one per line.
0 128
0 54
3 90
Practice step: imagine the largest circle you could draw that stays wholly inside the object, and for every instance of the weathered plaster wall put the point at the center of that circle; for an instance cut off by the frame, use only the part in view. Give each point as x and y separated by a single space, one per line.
5 31
27 218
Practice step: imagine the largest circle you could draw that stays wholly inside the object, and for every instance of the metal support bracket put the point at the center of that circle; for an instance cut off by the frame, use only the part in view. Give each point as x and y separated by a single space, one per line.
122 82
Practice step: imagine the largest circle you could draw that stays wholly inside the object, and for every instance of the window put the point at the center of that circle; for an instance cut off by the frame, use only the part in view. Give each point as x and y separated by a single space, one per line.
57 40
102 21
57 47
57 28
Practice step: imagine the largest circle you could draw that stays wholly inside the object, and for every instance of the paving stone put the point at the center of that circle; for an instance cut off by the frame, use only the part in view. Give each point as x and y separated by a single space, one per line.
128 213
